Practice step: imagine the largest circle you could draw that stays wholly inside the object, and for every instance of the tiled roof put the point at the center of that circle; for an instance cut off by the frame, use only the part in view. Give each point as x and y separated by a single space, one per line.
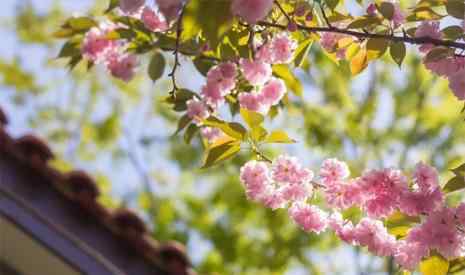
78 188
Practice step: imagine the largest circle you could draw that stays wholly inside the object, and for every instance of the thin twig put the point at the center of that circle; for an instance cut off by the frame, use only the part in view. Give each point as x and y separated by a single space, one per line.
364 35
261 155
192 54
289 19
325 17
176 53
257 152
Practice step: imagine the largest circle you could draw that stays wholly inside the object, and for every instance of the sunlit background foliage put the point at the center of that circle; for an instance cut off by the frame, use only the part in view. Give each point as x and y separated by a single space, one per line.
123 135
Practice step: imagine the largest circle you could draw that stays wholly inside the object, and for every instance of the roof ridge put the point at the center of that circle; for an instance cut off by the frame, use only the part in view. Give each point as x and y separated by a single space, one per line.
78 187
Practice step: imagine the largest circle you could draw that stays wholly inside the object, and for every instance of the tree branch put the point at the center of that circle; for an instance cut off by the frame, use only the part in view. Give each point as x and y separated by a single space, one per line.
405 39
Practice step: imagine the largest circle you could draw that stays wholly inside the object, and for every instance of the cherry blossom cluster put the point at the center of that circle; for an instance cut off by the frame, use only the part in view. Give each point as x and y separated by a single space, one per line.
267 91
98 48
261 90
220 82
451 67
378 193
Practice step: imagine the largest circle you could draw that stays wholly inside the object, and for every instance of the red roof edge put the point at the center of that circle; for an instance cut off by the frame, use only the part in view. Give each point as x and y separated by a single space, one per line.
80 188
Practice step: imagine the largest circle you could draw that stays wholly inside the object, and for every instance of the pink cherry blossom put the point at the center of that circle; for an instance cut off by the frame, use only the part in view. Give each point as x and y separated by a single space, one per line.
372 234
300 10
421 202
296 191
256 72
153 20
329 41
344 229
460 214
212 95
446 66
426 195
372 10
122 66
287 169
170 8
253 102
211 134
197 110
273 198
224 76
251 11
131 6
428 29
398 18
426 177
309 217
254 176
409 254
283 47
440 232
96 46
265 53
333 170
273 91
343 194
457 84
382 191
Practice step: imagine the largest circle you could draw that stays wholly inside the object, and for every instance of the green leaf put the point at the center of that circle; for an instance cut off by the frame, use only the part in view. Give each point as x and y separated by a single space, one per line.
363 22
437 54
422 13
278 136
386 9
190 132
156 66
210 18
359 62
376 47
232 129
183 122
113 4
292 82
398 52
81 23
203 65
69 49
456 8
332 4
453 32
253 119
398 224
454 184
258 133
459 171
431 3
109 129
63 33
220 152
180 99
302 51
434 265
